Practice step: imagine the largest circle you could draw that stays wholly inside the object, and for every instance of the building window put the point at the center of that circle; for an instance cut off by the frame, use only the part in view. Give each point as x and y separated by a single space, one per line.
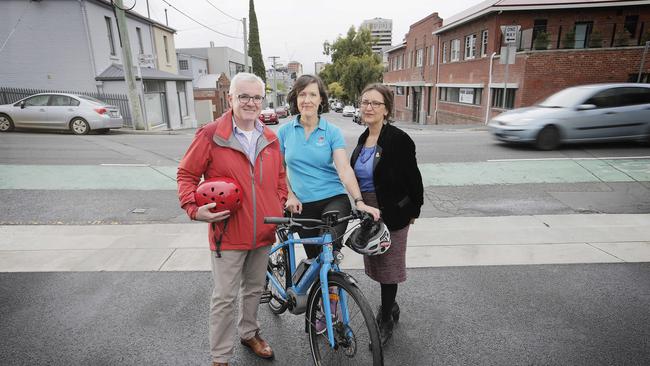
484 43
461 95
630 24
408 96
455 50
182 98
399 90
109 30
470 47
582 32
166 45
432 55
444 53
138 32
408 59
401 62
497 98
184 65
539 27
419 57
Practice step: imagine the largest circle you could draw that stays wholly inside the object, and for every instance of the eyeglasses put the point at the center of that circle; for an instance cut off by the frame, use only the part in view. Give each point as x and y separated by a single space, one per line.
373 104
245 98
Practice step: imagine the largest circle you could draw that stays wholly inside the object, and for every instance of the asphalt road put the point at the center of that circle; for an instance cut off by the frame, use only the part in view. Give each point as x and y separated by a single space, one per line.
450 151
593 314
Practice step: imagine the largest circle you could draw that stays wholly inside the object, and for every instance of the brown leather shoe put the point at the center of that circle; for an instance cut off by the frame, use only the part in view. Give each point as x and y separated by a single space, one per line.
258 346
220 364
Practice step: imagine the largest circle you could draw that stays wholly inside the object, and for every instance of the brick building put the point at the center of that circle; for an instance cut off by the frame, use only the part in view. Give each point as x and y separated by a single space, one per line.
555 44
411 71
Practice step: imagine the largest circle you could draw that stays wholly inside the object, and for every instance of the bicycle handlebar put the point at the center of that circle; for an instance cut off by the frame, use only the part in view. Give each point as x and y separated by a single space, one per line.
290 220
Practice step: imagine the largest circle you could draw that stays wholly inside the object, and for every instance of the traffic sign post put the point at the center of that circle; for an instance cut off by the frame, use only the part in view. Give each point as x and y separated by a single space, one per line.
508 54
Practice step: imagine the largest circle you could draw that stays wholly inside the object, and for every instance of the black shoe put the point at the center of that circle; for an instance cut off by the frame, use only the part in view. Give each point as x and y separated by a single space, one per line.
385 330
395 313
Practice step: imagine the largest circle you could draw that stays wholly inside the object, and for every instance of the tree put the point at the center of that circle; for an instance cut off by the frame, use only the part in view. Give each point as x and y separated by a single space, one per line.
254 49
354 65
335 90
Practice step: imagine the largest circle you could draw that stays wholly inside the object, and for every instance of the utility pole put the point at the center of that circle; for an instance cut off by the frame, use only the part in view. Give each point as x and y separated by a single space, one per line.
275 84
245 46
129 77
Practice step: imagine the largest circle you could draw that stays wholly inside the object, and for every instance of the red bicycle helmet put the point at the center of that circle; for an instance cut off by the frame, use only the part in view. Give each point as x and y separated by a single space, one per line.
224 191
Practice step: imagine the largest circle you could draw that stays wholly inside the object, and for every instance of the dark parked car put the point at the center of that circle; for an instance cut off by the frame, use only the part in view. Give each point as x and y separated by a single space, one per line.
586 113
269 117
77 113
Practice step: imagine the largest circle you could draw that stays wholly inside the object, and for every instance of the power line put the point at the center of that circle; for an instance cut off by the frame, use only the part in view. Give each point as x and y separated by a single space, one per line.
222 12
199 23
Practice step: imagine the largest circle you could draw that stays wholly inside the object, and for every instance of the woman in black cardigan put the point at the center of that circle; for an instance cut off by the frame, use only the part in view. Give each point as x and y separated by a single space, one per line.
385 166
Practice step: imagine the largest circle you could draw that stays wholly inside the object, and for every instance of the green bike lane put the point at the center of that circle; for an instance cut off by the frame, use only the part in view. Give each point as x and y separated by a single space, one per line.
145 177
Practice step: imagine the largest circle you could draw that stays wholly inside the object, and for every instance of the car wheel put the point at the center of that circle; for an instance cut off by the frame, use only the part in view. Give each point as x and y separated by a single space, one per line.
79 126
6 124
548 138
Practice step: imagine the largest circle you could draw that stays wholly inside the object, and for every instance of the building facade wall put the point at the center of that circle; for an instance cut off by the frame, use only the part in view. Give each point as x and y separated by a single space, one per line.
413 76
538 73
37 57
165 50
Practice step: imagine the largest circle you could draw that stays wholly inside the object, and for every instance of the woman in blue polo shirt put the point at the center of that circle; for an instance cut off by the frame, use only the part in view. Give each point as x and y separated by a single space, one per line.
319 173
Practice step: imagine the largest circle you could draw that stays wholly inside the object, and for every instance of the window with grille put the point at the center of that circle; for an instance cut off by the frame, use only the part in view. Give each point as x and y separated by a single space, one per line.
184 65
497 98
470 47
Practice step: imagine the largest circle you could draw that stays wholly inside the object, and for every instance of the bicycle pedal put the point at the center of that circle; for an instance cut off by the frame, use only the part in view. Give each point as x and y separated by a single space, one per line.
266 297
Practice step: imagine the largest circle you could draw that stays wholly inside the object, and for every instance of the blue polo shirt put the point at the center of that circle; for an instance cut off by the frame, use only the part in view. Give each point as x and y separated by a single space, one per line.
310 162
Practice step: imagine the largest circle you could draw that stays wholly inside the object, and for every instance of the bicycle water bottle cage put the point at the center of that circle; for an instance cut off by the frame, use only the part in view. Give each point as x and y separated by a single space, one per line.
330 217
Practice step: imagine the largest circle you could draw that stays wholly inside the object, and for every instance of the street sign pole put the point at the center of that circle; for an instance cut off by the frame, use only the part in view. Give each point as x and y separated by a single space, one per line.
510 40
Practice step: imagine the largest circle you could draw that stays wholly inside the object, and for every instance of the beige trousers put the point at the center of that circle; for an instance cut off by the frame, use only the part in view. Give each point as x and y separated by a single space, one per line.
237 271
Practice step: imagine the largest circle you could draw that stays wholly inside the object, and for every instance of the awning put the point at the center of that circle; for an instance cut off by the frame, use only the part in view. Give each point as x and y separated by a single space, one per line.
116 72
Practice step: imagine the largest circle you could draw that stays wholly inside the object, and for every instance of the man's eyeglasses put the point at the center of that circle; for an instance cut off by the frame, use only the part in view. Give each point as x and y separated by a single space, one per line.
245 98
373 104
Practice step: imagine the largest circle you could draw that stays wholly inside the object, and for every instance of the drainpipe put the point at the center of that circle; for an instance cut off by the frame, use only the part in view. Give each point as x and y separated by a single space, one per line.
489 90
435 113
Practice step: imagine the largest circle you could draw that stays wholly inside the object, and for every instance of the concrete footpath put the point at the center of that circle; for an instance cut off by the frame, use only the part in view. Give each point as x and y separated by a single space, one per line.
433 242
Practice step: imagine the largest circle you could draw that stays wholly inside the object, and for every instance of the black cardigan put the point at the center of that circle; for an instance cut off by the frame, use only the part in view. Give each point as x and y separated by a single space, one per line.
397 179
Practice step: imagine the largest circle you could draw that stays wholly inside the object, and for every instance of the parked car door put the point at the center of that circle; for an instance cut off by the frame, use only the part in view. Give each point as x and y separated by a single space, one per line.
33 113
61 109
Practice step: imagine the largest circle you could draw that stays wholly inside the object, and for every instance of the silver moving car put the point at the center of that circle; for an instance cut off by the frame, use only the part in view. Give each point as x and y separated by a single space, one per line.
77 113
586 113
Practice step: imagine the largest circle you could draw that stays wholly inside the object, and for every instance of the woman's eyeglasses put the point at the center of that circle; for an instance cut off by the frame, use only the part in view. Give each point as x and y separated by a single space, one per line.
373 104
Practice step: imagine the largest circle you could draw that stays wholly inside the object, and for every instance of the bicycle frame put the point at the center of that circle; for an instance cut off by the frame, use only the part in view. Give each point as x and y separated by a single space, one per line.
321 267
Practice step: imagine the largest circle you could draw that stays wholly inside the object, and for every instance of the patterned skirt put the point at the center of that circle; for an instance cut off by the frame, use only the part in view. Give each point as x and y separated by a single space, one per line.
389 267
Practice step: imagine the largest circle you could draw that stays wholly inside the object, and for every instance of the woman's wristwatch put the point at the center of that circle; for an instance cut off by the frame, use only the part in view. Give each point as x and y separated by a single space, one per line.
357 200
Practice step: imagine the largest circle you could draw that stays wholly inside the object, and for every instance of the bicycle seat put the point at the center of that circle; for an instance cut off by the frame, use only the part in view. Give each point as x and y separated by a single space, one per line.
330 217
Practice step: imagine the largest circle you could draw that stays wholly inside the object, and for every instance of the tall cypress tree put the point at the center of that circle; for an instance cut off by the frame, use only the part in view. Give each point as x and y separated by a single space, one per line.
254 49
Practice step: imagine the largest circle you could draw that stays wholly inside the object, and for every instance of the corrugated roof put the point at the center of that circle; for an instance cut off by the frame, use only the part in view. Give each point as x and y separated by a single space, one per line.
490 6
116 72
207 81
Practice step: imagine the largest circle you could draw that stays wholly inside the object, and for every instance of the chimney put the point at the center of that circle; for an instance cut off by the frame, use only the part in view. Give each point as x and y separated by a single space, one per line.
211 44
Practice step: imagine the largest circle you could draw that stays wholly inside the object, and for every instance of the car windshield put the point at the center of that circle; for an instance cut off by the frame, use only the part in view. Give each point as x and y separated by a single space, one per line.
567 98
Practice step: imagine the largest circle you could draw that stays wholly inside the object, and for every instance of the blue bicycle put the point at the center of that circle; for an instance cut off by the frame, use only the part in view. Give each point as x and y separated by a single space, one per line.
339 320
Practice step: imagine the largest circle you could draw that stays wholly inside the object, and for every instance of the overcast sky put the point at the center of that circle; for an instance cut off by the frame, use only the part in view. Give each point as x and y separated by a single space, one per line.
292 30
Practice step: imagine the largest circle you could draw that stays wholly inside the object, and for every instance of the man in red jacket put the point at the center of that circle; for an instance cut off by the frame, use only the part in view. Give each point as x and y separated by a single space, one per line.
240 147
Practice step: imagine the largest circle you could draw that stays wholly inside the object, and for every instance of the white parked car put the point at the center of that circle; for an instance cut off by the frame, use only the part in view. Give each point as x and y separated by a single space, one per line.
77 113
348 111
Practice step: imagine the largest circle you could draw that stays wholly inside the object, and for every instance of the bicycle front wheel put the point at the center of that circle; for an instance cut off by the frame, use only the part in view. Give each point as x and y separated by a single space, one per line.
279 268
356 335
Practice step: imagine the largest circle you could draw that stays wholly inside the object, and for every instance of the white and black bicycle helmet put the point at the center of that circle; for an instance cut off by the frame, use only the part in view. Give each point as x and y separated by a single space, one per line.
370 238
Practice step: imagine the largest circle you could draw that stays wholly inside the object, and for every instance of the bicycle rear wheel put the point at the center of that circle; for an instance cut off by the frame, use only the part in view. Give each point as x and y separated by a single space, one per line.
355 343
278 266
